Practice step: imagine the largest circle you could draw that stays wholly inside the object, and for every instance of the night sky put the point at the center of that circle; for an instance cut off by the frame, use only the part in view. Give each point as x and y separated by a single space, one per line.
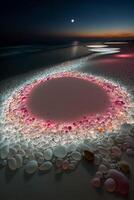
38 20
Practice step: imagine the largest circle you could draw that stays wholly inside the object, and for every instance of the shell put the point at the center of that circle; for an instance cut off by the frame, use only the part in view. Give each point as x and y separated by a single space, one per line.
110 185
96 182
122 184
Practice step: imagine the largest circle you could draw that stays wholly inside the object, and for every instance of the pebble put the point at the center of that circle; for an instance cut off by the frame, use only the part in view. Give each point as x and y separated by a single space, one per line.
71 148
116 152
126 126
130 152
97 159
58 171
132 131
46 166
31 156
12 164
38 154
19 160
4 152
124 167
82 147
72 166
3 163
88 155
31 167
99 174
40 160
110 185
22 152
17 147
48 154
12 151
65 165
96 182
124 146
58 163
76 155
60 151
102 168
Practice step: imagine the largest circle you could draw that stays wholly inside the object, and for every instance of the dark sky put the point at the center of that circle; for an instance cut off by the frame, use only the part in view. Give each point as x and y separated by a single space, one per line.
38 19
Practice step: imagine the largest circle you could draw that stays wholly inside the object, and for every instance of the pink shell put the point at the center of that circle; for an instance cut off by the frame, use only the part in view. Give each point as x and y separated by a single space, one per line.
122 184
110 185
96 182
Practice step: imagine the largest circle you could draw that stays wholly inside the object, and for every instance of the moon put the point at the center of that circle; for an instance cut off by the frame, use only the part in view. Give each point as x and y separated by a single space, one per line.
72 20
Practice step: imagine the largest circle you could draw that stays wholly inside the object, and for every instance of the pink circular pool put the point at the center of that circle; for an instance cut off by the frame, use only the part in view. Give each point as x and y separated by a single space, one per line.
66 99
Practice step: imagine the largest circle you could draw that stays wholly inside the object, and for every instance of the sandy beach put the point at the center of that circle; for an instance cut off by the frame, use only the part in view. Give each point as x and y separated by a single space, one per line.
73 185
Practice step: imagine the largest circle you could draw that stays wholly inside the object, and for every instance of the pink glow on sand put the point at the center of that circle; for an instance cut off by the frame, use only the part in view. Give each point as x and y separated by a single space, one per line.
66 98
130 55
116 106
